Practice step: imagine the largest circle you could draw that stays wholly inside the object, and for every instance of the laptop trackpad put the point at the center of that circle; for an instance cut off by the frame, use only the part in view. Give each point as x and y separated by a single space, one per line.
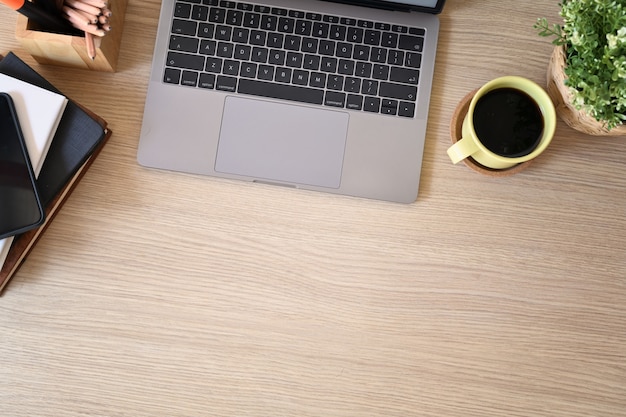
282 142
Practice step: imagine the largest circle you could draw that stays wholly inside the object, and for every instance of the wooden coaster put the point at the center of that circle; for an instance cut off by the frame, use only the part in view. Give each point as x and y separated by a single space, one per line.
456 126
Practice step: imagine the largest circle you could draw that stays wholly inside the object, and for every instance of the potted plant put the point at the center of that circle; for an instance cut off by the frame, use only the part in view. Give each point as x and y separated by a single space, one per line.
587 70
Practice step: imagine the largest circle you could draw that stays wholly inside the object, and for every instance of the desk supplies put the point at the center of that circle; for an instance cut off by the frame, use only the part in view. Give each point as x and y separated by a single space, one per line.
79 137
39 111
97 53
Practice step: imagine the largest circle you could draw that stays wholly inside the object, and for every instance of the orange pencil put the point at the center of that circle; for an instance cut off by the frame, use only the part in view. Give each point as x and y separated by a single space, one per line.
91 46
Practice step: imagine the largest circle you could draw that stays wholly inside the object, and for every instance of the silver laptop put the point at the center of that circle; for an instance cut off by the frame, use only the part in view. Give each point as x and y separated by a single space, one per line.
329 96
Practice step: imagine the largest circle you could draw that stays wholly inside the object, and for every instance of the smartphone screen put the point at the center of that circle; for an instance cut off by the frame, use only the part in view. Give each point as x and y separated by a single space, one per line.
20 207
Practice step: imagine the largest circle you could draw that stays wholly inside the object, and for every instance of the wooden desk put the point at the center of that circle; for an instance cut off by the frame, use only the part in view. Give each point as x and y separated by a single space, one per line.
163 294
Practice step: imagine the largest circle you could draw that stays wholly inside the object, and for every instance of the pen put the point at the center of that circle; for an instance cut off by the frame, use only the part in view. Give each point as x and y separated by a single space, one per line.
48 21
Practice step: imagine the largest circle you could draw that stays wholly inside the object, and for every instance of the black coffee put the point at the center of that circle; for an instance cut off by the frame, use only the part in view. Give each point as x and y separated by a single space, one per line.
508 122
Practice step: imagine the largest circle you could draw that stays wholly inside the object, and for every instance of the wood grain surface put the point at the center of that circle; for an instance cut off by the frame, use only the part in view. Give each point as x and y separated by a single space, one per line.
156 293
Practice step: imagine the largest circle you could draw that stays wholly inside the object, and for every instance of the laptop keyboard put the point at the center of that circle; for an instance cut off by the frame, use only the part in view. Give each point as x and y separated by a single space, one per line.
295 55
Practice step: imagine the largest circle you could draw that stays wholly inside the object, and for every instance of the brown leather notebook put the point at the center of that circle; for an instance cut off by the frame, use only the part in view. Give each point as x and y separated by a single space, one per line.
64 166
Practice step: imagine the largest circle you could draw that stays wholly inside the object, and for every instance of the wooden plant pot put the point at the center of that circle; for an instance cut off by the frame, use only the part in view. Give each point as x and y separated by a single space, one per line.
562 98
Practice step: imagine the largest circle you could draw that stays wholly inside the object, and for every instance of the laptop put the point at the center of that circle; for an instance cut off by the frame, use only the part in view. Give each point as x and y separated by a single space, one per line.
330 96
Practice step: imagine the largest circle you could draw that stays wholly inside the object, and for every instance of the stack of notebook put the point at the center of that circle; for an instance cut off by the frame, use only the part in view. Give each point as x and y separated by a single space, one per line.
76 141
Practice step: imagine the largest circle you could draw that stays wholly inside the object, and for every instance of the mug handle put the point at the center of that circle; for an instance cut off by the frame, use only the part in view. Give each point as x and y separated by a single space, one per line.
462 149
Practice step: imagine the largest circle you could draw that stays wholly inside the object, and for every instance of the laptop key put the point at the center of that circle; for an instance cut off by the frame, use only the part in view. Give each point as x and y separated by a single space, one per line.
372 104
354 102
413 60
294 59
217 15
329 64
286 24
369 87
234 17
292 42
317 80
327 47
206 30
372 37
231 67
389 40
266 72
240 35
344 50
303 27
223 33
242 52
225 83
275 40
269 22
281 91
258 37
380 72
309 45
395 57
277 57
335 82
214 65
311 62
172 76
338 32
411 43
200 13
187 61
248 70
389 107
404 75
260 55
182 10
300 77
363 69
283 75
184 27
279 12
334 99
208 47
320 30
251 20
378 55
183 44
406 109
352 85
189 78
207 81
398 91
225 49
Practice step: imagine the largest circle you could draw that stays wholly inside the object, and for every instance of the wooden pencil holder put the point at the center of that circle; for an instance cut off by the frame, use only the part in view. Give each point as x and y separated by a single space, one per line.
71 51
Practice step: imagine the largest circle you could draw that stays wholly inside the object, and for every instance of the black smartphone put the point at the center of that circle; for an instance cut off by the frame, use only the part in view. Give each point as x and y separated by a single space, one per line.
20 206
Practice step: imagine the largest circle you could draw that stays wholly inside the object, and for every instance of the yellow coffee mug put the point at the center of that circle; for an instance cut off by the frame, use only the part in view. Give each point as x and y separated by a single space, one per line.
510 120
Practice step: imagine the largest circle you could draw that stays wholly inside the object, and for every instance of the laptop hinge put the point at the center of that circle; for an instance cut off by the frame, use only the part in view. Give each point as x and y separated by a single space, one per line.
376 4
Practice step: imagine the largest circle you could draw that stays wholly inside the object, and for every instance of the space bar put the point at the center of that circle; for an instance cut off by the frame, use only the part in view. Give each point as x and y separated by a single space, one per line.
281 91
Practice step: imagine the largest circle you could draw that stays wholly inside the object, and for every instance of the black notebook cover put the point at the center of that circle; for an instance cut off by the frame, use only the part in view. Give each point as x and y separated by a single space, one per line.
77 135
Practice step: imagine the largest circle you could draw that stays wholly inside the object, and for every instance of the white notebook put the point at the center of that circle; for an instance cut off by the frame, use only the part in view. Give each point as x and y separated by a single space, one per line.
39 112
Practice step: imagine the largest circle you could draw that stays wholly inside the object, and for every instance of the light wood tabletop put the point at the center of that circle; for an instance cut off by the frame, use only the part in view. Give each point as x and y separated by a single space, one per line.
156 293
